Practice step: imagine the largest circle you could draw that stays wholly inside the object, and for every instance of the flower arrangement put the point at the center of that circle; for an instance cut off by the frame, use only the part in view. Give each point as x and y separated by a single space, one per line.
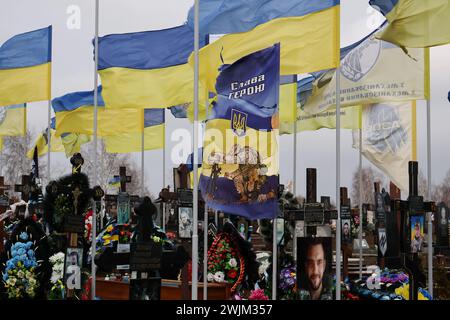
88 226
257 294
225 265
222 263
288 282
20 272
62 207
57 290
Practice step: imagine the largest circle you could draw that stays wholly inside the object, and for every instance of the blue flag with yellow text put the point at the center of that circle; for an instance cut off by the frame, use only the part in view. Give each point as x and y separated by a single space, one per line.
240 152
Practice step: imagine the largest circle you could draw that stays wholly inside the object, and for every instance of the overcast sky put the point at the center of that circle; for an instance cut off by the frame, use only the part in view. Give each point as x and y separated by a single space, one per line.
73 70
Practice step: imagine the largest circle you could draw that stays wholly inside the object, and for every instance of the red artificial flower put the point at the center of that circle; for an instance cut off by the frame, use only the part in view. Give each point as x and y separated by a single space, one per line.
232 274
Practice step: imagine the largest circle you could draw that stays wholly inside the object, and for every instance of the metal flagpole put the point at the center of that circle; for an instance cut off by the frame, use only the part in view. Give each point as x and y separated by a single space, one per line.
195 164
294 187
164 151
49 135
338 183
429 214
274 261
94 212
142 155
205 254
205 227
360 203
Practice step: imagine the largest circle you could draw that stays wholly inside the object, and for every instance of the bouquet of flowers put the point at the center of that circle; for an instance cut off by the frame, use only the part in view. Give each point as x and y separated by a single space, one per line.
257 294
288 282
57 290
88 226
20 272
223 261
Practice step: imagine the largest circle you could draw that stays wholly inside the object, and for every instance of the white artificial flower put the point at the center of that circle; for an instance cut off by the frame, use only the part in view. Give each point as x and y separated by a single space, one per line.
219 276
11 281
232 262
20 274
210 277
32 282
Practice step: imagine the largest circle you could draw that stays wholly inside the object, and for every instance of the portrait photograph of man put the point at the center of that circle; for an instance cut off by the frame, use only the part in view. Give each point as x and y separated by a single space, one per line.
346 232
417 235
314 268
185 221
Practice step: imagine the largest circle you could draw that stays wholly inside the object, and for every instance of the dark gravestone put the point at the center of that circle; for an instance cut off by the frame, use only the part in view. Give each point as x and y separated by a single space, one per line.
25 188
412 238
441 221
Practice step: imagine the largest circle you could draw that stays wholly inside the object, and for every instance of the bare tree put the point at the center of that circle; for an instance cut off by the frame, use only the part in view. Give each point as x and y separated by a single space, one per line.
14 163
442 191
369 176
108 167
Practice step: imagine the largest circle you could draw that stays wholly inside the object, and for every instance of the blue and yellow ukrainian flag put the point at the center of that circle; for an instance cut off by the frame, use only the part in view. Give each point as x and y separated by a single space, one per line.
13 120
42 142
74 113
25 67
72 142
153 126
114 182
147 69
309 42
415 23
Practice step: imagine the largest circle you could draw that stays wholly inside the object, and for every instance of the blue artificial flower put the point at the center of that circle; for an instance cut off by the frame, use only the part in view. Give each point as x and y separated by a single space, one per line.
21 251
27 263
30 253
14 253
10 264
23 236
29 245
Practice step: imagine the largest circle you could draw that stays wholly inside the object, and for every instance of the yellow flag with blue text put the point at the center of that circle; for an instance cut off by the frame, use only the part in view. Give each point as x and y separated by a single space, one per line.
13 120
415 23
372 71
350 119
25 67
389 139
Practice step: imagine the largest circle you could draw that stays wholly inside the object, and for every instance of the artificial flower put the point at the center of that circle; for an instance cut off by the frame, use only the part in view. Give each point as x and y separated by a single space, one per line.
219 277
232 262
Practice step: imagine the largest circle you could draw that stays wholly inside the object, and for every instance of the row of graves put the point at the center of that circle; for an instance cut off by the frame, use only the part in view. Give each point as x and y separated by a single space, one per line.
143 248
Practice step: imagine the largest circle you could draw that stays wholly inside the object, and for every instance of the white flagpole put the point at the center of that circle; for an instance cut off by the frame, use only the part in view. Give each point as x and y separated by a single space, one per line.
205 254
429 214
274 260
360 204
205 227
164 152
94 212
195 147
49 135
338 183
142 162
294 187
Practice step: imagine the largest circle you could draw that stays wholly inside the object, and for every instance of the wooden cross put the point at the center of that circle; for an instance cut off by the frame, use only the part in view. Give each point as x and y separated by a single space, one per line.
3 187
124 179
24 188
4 204
76 194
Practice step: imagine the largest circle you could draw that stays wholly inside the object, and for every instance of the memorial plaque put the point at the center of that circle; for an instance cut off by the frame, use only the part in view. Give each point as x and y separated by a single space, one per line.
145 256
442 225
123 208
73 223
4 201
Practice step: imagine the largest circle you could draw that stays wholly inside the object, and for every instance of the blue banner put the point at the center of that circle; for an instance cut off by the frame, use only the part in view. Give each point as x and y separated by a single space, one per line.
241 177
